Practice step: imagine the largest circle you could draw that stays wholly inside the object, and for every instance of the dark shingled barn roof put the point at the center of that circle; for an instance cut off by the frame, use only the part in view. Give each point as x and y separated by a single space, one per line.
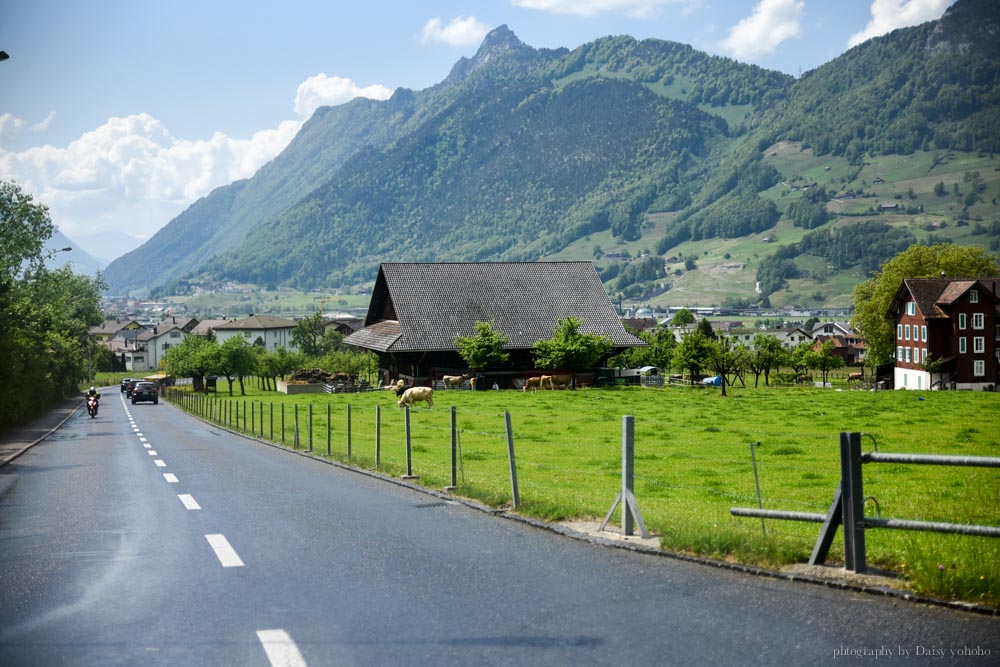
417 307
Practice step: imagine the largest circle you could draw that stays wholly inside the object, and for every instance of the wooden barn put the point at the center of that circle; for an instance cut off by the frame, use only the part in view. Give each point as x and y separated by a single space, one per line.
417 310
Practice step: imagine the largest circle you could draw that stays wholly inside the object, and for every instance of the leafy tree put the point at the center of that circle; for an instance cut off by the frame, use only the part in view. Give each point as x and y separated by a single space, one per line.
800 357
45 347
311 337
872 297
194 357
766 355
705 327
725 357
483 348
682 317
236 360
571 349
824 360
692 353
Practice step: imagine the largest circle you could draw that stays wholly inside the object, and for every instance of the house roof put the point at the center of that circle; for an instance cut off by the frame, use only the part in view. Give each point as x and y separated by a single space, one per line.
205 327
110 327
422 307
257 322
934 295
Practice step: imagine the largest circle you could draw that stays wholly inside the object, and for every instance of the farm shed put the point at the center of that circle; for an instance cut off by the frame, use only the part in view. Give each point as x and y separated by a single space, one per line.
417 309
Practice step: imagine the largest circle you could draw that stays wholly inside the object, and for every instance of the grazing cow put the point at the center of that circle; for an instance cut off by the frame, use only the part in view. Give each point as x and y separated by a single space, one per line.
394 386
554 381
415 395
532 383
453 380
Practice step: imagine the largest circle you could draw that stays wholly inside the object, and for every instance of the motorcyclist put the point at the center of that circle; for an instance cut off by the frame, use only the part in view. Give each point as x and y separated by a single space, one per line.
93 392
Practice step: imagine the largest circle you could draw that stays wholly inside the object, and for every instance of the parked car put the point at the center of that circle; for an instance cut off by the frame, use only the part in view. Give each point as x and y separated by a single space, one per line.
125 384
130 387
145 391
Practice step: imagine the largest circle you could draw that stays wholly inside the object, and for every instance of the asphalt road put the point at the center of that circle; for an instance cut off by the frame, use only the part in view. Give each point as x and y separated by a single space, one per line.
165 541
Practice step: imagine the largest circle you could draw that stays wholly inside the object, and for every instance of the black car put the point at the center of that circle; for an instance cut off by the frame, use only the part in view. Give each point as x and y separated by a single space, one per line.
129 386
125 384
145 391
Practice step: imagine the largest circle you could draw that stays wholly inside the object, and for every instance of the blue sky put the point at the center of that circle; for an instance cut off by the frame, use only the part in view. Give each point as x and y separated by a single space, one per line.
120 114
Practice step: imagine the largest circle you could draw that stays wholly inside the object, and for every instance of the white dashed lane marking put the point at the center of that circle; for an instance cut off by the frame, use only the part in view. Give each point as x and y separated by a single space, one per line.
189 502
160 464
170 477
280 648
223 551
152 452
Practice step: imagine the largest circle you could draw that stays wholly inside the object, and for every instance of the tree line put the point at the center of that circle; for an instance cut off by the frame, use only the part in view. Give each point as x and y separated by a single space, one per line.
45 347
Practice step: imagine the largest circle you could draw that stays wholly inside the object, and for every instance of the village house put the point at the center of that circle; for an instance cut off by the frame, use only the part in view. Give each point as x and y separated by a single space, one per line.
146 350
268 331
417 310
947 333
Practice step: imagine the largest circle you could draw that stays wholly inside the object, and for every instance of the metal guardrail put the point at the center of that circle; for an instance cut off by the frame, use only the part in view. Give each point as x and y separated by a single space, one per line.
847 508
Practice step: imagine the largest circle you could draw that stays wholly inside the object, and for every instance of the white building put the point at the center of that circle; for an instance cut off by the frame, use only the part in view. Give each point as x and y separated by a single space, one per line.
269 331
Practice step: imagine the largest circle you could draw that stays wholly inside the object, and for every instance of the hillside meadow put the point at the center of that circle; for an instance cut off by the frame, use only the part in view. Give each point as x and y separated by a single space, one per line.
693 463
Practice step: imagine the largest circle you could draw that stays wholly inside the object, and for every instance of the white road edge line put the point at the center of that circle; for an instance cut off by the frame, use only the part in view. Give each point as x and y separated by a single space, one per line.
170 477
225 553
280 648
189 502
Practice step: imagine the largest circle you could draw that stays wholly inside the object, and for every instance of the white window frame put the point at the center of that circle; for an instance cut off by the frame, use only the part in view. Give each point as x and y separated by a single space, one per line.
906 331
961 345
923 333
978 345
923 356
899 353
973 296
916 354
961 320
906 354
911 307
978 321
899 332
979 368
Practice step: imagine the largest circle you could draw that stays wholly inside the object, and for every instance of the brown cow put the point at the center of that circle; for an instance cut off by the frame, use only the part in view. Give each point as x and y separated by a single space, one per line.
532 383
554 381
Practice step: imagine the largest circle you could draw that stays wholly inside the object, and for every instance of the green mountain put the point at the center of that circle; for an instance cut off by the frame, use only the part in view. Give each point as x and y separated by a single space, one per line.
670 167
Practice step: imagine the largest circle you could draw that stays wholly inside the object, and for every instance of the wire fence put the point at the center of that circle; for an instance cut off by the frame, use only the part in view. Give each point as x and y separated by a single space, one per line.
569 460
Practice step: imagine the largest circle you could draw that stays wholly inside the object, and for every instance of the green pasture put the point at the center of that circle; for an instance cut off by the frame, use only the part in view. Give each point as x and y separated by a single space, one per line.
692 462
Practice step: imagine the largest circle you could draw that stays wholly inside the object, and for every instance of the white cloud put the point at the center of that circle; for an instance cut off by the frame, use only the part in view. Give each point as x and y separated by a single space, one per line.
772 22
634 8
131 175
12 126
45 123
888 15
461 31
322 90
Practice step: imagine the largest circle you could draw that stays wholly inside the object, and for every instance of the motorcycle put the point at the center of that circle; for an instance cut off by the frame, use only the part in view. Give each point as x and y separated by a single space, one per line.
92 404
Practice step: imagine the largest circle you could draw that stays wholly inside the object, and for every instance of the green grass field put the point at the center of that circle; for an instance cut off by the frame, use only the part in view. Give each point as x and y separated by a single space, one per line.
692 463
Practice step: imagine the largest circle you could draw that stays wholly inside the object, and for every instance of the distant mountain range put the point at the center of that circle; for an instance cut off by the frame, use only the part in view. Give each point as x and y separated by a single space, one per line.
78 258
684 176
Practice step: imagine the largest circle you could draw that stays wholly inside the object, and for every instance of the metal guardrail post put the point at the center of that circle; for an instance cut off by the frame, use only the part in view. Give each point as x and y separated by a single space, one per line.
515 493
852 502
378 436
409 450
626 497
454 452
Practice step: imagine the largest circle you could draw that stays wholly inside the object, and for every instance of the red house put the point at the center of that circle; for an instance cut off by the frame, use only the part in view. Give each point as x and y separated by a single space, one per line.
947 333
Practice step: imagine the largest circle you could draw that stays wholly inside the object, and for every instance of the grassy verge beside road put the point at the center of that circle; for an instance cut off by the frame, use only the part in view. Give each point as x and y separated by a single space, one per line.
692 463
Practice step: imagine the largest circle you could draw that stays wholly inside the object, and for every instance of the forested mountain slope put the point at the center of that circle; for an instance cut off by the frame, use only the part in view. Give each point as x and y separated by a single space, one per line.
651 146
